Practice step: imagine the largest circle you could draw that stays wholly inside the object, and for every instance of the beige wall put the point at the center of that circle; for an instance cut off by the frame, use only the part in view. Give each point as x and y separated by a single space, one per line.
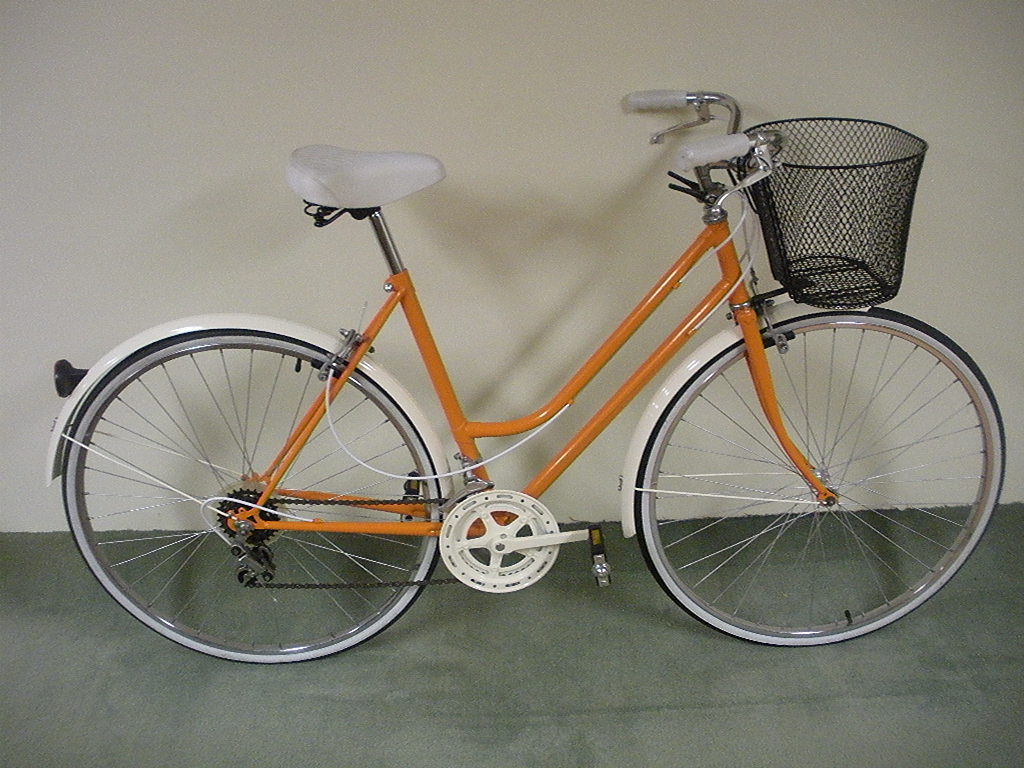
143 146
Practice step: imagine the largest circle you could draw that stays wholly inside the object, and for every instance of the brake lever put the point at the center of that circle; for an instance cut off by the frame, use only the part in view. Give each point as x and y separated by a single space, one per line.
703 110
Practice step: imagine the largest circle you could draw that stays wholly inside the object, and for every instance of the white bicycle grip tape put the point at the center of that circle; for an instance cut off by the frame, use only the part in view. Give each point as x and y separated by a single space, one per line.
713 149
638 101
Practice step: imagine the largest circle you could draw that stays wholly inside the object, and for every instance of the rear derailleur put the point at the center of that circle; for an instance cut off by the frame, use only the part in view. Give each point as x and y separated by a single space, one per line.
255 564
250 546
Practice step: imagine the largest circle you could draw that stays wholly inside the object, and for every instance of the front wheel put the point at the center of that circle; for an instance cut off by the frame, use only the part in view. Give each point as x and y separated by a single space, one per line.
177 436
891 414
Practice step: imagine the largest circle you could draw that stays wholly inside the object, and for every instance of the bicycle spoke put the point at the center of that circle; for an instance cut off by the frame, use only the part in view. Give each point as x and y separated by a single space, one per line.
219 472
224 417
264 419
885 420
208 414
771 454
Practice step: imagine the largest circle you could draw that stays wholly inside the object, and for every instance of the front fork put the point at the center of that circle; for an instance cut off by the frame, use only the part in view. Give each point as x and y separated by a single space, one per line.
757 363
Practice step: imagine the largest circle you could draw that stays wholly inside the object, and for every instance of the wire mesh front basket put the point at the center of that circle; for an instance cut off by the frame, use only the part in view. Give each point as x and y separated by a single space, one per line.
836 214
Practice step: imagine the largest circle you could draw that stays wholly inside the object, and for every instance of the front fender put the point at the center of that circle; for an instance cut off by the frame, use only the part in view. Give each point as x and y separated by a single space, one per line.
675 380
261 323
718 343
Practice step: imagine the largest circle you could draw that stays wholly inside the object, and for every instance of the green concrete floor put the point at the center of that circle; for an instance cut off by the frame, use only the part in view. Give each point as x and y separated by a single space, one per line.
561 674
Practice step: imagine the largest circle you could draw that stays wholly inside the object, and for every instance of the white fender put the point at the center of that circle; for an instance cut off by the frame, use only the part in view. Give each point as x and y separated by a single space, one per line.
675 380
700 357
246 322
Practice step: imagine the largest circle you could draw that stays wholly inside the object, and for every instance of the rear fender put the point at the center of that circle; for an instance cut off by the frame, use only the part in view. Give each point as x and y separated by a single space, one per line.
55 454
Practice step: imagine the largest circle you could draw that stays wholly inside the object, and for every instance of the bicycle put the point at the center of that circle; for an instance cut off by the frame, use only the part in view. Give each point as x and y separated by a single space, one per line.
261 491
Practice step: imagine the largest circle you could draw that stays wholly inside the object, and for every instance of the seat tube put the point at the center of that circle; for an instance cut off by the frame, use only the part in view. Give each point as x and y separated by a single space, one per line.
401 281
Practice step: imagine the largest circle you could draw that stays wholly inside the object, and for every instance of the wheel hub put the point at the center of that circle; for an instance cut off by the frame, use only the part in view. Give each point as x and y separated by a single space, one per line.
239 499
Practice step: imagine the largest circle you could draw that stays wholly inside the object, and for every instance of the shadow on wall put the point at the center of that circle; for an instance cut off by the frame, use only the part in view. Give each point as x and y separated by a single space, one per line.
517 247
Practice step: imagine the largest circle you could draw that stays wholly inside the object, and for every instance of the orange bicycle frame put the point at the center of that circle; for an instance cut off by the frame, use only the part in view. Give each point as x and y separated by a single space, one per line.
401 292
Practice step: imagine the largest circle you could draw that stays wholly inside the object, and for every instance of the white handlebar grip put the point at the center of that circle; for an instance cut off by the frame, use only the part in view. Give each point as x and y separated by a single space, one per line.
713 149
639 101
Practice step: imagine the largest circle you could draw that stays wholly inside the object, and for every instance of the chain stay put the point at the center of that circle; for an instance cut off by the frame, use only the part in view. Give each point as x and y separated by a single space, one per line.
408 500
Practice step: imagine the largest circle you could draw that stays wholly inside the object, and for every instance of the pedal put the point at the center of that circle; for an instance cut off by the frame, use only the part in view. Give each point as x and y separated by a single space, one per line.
601 569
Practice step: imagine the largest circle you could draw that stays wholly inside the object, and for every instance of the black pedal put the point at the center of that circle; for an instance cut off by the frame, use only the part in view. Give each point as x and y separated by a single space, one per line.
601 570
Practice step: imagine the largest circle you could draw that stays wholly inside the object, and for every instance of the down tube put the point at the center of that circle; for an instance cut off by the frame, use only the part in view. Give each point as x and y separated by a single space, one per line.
731 276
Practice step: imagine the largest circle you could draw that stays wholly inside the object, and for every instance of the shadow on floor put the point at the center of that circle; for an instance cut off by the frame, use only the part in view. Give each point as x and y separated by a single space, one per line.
561 674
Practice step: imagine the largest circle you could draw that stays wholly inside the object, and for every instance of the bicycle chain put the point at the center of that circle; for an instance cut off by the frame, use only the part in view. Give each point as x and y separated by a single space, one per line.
406 500
364 585
409 500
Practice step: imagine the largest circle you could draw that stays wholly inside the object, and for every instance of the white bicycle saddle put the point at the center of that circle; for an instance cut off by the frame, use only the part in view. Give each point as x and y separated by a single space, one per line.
344 178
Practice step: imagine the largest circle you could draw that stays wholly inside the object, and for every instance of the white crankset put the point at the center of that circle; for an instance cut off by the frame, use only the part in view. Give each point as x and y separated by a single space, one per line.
501 541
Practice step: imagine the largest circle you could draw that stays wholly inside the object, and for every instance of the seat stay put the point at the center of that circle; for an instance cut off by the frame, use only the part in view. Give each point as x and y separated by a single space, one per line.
293 446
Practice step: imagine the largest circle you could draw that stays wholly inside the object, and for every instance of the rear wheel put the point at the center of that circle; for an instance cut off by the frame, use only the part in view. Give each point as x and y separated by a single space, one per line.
892 415
193 420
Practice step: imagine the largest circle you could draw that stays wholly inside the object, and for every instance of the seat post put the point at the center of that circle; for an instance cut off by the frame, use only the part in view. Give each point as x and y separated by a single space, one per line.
387 243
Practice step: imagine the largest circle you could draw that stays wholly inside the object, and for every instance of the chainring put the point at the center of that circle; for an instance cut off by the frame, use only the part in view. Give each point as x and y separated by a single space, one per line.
476 534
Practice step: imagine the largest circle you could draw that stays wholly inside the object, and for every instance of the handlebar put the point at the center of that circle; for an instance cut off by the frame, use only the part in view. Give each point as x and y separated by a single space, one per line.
660 101
710 151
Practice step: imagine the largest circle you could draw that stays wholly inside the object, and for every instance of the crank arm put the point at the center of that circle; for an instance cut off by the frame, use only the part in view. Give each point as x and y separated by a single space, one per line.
544 540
